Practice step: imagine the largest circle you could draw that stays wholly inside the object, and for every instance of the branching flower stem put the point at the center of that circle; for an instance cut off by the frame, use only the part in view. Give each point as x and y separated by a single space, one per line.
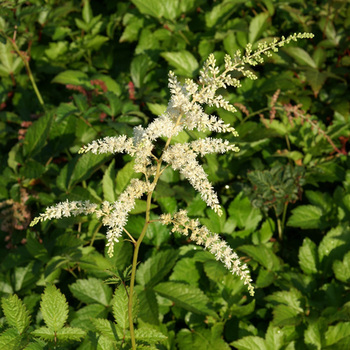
137 244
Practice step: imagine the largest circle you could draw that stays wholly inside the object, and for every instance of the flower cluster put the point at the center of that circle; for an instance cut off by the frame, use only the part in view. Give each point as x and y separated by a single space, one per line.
184 111
212 242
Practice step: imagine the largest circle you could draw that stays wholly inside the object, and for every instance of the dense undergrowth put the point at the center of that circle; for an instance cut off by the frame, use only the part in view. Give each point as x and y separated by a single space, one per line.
74 71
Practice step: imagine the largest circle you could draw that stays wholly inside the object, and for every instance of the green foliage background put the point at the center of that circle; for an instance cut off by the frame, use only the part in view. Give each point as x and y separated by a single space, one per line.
100 69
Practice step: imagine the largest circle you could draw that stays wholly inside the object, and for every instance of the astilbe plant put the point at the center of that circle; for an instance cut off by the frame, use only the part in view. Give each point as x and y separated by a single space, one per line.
184 112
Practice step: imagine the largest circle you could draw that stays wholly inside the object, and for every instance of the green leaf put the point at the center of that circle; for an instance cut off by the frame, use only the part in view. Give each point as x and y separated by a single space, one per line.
306 217
120 307
153 8
184 62
10 62
154 269
72 77
257 26
124 176
138 69
150 335
220 13
91 290
64 334
36 135
16 313
301 56
132 24
188 297
243 213
186 270
54 308
314 334
10 339
250 343
332 247
148 305
38 345
291 298
315 79
202 339
308 257
285 316
44 333
342 269
275 337
108 183
87 12
96 42
338 336
263 255
80 168
70 334
106 328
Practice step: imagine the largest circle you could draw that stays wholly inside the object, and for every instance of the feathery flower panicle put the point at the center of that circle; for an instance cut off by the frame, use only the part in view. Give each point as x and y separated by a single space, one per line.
211 241
65 210
184 111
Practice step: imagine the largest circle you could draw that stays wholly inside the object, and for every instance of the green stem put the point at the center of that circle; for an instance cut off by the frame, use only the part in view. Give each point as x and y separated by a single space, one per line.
140 239
29 71
284 216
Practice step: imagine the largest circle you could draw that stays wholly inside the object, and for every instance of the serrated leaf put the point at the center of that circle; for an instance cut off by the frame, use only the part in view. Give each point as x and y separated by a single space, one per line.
106 328
36 135
342 269
149 310
138 69
290 298
274 337
308 257
153 8
44 333
314 334
124 176
306 217
108 183
150 335
54 308
72 77
64 334
10 63
184 62
333 246
91 290
10 339
120 307
70 334
285 316
16 313
257 26
154 269
80 168
263 255
38 345
250 343
188 297
202 339
338 337
243 213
